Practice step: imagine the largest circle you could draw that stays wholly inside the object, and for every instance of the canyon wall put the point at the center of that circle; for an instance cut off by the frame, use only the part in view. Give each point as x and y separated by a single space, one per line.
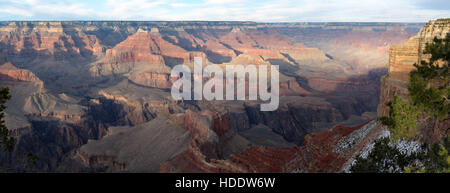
401 61
86 96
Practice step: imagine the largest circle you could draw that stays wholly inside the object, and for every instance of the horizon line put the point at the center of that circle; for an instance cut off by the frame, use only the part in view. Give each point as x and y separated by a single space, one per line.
229 21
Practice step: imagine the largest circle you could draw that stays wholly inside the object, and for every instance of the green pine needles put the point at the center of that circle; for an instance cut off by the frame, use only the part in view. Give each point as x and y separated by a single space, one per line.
402 120
429 86
6 141
429 93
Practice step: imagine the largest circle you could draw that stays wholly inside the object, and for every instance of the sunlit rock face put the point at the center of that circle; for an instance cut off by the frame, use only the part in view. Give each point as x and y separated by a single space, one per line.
401 61
9 72
82 91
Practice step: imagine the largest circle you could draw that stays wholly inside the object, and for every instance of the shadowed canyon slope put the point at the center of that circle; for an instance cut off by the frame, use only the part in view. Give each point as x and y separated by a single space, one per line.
95 96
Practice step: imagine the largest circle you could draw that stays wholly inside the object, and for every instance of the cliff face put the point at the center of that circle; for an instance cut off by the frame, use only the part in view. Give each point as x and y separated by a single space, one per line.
47 39
326 151
75 82
401 60
9 72
402 57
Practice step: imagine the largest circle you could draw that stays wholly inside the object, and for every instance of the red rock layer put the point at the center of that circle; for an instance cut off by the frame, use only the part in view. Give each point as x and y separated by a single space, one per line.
317 153
153 79
9 72
146 47
47 39
292 86
315 156
401 62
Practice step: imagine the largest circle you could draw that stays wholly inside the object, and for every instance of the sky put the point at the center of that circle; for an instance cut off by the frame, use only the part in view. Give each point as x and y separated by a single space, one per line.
231 10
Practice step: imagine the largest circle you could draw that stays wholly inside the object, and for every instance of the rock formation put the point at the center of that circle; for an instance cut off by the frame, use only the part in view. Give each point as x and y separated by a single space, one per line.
401 60
9 72
327 151
87 95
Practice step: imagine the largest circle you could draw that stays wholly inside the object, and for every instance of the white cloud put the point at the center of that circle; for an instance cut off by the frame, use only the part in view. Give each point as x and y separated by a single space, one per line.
131 7
15 11
179 5
249 10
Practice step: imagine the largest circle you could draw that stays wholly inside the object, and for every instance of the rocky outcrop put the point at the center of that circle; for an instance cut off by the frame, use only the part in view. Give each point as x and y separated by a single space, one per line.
401 61
136 149
253 159
402 58
329 151
107 88
152 79
9 72
292 87
295 117
47 39
326 151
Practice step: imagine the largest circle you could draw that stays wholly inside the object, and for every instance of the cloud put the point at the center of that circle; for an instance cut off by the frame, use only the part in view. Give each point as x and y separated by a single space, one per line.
434 5
235 10
35 9
15 11
179 4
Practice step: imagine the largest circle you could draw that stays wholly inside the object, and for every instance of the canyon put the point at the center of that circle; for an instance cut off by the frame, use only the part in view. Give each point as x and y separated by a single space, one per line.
95 96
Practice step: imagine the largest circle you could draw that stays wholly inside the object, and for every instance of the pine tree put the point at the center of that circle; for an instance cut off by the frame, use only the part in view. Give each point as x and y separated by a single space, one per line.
6 141
429 87
429 93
